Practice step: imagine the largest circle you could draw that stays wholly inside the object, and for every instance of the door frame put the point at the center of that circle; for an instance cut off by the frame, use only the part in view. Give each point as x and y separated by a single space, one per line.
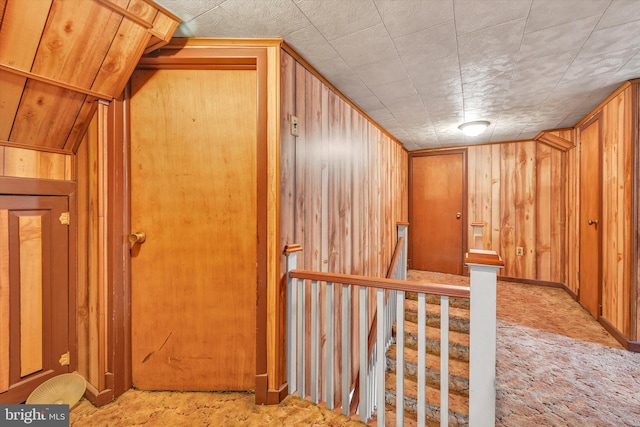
465 180
596 118
45 187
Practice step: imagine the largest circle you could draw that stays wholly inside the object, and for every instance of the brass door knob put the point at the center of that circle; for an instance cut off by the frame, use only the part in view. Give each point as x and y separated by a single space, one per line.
593 222
138 237
458 215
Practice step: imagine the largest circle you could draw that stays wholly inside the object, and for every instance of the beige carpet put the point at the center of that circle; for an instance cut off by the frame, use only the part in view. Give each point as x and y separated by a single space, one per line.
195 409
556 366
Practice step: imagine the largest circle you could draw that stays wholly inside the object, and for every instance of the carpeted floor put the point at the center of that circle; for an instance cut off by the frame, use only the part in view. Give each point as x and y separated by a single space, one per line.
556 366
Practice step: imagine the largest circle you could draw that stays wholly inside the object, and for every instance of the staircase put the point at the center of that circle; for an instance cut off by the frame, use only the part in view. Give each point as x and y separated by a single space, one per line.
458 363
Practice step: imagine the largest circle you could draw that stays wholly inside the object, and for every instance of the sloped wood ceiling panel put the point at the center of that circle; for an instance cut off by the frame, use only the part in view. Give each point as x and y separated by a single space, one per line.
58 57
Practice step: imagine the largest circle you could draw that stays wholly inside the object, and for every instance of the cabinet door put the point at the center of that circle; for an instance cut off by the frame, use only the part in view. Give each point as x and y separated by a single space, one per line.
34 293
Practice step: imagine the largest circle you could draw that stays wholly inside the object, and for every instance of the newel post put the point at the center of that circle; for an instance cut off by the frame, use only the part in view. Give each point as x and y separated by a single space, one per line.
484 266
291 252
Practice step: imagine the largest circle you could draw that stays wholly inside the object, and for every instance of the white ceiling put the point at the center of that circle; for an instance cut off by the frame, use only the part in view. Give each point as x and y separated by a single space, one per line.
420 68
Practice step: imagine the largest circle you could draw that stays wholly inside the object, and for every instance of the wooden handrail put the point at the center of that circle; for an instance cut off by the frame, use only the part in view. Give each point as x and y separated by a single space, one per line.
395 258
388 284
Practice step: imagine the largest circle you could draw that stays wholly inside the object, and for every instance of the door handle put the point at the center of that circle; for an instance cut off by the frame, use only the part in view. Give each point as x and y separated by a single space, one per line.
458 215
593 222
138 237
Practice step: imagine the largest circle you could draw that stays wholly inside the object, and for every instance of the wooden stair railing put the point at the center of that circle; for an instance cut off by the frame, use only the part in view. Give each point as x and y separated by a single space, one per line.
306 365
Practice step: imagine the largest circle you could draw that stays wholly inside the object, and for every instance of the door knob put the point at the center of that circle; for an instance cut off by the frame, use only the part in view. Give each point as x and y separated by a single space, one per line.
593 222
138 237
458 215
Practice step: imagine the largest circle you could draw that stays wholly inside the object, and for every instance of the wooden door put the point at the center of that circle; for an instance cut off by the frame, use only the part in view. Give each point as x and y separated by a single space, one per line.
437 212
590 208
34 293
193 192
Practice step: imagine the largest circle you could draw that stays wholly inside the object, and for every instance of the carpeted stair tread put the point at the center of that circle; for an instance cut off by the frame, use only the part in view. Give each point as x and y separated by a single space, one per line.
458 405
390 419
458 370
458 317
435 299
458 342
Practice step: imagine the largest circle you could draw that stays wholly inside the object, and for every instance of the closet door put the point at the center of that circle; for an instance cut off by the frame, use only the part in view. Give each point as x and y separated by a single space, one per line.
194 195
590 212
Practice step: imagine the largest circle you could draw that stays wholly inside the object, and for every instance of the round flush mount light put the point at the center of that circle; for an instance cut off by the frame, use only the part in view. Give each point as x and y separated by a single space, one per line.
474 128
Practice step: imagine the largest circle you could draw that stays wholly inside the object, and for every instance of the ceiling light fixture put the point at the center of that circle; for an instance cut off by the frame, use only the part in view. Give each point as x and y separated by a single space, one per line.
474 128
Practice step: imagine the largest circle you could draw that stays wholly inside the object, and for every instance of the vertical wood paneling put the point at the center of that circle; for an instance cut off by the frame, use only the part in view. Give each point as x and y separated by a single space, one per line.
374 203
82 200
635 242
507 209
525 175
572 201
544 203
493 229
557 182
313 167
300 158
515 190
484 189
287 155
86 190
617 212
31 339
472 212
25 163
4 300
88 294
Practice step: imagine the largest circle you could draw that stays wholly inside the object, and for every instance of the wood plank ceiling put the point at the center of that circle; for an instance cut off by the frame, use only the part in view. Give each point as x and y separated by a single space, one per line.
59 57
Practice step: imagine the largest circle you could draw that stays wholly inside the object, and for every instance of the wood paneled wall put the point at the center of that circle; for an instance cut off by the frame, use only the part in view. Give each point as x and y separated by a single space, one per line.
515 189
343 184
572 208
617 212
343 181
26 163
90 301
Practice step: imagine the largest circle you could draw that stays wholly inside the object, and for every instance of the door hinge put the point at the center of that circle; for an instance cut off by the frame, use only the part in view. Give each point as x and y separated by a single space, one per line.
578 276
64 218
64 359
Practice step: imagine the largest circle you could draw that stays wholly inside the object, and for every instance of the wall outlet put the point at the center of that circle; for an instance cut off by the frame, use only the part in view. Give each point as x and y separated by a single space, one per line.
519 251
